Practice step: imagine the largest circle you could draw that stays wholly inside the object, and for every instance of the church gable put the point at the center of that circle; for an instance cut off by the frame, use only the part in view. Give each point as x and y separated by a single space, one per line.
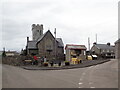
46 46
48 34
47 42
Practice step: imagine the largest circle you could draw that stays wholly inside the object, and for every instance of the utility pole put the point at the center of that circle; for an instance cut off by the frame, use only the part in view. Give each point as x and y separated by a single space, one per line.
3 48
96 38
88 43
3 53
55 43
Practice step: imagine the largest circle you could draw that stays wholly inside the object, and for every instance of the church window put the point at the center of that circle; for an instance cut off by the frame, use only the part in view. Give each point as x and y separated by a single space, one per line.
49 44
40 32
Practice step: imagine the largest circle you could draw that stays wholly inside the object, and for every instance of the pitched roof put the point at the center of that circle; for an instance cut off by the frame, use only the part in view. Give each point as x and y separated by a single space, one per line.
32 45
118 41
42 37
72 46
104 46
60 42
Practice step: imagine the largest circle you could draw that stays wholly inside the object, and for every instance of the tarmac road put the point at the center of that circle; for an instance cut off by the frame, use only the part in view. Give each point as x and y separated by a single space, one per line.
100 76
0 76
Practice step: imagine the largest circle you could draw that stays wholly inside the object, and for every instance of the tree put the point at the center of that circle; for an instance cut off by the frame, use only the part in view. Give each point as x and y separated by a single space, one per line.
3 54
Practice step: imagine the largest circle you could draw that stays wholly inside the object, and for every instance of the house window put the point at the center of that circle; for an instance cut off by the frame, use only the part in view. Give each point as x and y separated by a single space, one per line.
111 50
103 51
108 51
49 44
40 32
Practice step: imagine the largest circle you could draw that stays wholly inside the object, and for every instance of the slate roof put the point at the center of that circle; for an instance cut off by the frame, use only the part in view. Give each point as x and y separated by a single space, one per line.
72 46
118 41
32 45
104 46
42 37
60 42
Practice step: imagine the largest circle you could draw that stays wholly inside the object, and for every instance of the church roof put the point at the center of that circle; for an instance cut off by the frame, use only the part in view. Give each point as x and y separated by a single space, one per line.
42 37
32 45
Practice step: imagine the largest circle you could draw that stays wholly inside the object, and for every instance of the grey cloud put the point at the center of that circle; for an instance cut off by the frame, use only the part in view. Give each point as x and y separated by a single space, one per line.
91 18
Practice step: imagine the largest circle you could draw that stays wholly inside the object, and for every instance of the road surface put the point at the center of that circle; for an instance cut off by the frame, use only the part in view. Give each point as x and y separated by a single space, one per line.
100 76
0 76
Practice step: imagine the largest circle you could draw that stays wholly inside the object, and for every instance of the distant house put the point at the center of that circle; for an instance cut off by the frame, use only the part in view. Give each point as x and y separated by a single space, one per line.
73 52
103 50
11 53
117 49
44 45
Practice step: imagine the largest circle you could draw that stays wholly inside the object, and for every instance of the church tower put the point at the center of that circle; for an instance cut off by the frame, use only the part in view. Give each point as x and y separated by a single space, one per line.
37 31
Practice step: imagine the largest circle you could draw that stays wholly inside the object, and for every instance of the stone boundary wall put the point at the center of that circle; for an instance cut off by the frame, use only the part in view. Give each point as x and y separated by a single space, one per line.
14 60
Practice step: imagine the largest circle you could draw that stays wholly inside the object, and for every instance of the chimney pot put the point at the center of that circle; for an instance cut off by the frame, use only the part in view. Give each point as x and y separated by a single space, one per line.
94 43
108 44
27 39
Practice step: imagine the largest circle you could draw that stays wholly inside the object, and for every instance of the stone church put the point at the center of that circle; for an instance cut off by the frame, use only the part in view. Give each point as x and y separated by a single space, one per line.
44 45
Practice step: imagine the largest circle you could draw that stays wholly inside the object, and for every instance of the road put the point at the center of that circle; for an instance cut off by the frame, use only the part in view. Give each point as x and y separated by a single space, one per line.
100 76
0 76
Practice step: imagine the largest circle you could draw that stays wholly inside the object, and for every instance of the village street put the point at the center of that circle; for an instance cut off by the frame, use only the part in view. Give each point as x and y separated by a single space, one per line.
100 76
0 75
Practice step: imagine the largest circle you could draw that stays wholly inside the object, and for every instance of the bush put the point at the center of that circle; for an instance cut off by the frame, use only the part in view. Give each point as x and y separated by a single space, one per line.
3 54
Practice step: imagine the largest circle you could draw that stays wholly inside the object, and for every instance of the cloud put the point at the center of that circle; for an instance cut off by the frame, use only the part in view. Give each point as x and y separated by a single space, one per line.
75 20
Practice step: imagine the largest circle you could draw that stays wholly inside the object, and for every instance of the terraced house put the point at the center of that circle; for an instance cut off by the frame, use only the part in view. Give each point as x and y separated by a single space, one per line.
103 50
44 45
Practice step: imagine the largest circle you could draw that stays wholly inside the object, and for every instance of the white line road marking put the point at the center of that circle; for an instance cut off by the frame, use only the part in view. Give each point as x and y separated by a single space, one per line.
92 87
79 87
80 83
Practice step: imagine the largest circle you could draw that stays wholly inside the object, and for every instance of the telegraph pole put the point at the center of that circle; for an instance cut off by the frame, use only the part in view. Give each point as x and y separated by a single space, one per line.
96 38
88 43
55 43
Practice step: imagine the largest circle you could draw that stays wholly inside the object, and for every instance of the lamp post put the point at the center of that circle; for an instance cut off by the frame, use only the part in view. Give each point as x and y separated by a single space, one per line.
55 43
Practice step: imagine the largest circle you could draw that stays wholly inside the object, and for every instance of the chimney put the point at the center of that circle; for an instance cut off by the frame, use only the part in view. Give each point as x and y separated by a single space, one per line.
108 44
27 39
94 43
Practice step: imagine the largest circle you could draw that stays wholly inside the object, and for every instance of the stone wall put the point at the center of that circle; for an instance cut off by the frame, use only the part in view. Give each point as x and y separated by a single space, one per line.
14 60
117 50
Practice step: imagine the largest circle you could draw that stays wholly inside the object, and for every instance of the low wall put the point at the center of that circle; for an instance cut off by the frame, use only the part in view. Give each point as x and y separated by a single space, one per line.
14 60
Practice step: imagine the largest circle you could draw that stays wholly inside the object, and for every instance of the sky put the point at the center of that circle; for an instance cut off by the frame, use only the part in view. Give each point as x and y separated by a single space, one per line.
74 20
